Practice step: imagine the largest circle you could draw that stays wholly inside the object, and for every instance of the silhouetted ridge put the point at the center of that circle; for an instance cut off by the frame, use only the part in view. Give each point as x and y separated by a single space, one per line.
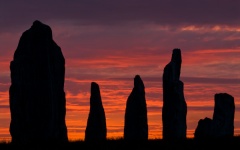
37 97
174 106
136 124
222 124
96 129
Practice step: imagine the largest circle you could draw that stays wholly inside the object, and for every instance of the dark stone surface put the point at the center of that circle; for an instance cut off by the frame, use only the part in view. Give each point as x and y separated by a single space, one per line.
37 97
223 116
136 123
96 129
174 109
222 124
204 129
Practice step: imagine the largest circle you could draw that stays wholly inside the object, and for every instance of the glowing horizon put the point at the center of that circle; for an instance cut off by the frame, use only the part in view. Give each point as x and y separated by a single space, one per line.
103 44
76 115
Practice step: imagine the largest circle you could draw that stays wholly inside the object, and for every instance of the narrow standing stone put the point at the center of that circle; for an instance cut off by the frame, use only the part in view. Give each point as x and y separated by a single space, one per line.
174 109
96 129
136 124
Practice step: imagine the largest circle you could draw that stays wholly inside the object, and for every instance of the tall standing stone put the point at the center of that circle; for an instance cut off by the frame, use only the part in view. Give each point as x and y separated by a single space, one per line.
223 116
37 97
136 123
96 129
174 109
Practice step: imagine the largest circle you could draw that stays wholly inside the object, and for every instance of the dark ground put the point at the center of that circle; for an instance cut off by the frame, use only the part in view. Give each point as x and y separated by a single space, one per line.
120 144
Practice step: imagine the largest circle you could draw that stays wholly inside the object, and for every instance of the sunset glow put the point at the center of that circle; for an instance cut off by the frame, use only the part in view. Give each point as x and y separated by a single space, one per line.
109 47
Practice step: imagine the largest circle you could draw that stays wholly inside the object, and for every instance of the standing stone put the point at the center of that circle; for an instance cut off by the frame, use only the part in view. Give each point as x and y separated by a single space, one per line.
136 124
174 109
222 124
223 116
37 97
96 129
204 129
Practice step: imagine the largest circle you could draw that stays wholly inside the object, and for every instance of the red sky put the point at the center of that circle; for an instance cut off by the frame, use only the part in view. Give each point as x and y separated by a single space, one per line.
110 42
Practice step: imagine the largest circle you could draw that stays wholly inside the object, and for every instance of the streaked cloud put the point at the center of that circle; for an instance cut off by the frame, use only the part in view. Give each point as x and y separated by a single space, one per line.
109 42
164 12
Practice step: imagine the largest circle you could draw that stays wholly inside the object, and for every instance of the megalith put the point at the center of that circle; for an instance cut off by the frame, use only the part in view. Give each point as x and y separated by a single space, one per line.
204 129
174 109
222 123
37 97
223 116
136 123
96 129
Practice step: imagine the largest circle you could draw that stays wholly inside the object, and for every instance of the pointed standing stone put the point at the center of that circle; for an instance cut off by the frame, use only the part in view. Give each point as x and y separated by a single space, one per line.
136 124
174 109
37 97
96 129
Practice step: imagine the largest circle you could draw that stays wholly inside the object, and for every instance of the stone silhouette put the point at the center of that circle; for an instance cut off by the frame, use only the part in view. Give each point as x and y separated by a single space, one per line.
136 123
96 129
37 97
204 129
223 116
222 124
174 109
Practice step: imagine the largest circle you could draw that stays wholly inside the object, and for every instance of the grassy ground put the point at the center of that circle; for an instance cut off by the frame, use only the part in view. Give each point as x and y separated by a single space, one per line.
120 144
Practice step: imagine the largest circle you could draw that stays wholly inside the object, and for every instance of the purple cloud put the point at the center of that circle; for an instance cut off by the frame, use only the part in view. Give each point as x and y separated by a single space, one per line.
107 12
